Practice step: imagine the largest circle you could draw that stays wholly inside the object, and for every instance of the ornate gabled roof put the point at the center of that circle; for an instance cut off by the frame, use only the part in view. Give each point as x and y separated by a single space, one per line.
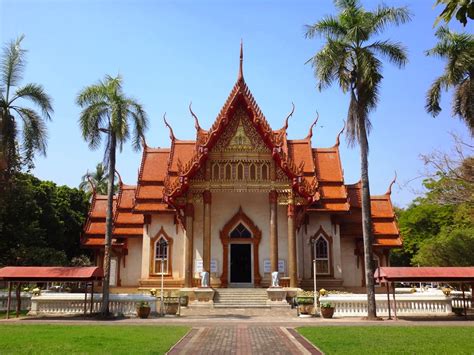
240 96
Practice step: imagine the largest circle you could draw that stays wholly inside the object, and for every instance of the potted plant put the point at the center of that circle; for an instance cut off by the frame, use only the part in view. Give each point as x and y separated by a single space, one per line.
305 303
327 310
171 305
143 309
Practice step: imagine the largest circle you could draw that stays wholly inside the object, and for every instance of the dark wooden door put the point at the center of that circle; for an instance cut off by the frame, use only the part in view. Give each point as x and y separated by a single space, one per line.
240 263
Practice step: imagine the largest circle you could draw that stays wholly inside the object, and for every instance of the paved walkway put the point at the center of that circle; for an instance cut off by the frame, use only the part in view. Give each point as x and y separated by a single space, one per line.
243 339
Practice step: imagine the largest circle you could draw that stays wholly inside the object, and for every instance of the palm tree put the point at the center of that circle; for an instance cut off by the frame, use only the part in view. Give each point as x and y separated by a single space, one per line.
106 110
353 63
34 134
99 178
458 50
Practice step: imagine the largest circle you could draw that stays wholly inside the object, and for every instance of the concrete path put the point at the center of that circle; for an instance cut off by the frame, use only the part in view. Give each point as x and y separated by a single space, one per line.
243 339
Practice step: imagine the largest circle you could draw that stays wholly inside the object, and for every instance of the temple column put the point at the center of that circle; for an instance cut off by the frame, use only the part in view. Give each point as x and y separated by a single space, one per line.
292 268
273 196
188 244
206 248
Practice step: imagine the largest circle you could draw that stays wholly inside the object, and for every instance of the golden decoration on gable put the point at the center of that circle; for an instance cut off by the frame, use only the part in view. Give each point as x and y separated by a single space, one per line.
240 136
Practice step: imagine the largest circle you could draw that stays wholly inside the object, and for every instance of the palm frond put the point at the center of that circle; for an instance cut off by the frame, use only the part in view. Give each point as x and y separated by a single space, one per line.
384 16
13 64
38 96
463 103
139 121
328 27
34 132
395 52
433 96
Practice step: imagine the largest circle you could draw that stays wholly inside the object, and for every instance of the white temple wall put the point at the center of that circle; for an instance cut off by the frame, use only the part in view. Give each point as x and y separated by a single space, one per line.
352 275
198 235
130 274
316 221
177 250
256 206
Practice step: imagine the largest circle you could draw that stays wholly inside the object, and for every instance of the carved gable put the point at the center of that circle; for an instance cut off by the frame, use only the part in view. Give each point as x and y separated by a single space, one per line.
240 136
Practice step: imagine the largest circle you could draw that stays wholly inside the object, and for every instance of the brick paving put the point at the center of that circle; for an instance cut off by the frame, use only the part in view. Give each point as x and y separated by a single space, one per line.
243 340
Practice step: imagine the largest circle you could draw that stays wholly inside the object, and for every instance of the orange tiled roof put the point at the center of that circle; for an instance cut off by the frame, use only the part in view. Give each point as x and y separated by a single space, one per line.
125 222
385 229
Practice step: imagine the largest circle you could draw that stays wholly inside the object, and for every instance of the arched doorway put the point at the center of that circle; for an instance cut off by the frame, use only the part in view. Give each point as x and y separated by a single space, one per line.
240 240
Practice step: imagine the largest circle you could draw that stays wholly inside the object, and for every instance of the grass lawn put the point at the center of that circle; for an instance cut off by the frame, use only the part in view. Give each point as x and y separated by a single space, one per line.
3 314
391 340
64 339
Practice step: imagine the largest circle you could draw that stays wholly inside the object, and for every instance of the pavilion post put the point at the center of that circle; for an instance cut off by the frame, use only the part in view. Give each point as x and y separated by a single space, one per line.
85 299
18 299
394 302
92 296
388 300
464 300
9 300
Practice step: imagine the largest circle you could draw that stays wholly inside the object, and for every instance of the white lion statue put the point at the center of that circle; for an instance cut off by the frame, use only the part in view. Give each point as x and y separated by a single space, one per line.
275 279
204 279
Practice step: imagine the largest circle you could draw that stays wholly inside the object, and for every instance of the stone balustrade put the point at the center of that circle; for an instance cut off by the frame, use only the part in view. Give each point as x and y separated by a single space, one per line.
25 301
355 305
73 303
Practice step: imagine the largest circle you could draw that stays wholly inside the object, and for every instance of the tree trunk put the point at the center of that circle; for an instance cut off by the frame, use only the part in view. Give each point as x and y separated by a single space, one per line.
109 225
367 223
18 299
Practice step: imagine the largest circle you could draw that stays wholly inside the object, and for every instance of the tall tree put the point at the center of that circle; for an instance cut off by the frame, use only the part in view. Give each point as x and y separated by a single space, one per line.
34 134
99 178
463 9
458 51
354 64
107 110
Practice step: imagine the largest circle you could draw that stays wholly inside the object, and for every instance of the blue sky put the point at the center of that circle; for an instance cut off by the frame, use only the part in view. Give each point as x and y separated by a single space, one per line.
173 52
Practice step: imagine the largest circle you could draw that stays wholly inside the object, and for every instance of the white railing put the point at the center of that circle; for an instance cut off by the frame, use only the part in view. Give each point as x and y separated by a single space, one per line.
25 301
355 305
73 303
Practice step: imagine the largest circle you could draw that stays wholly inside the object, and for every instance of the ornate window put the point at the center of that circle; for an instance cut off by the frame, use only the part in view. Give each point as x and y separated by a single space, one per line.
228 171
240 171
215 172
240 232
264 172
321 251
253 172
160 253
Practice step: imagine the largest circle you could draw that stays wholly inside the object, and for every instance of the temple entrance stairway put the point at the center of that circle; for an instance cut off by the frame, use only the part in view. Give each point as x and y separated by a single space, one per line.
240 298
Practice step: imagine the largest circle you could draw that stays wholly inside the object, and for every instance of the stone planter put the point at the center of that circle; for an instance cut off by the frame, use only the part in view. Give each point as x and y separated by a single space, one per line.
327 312
277 297
171 308
306 310
204 297
143 312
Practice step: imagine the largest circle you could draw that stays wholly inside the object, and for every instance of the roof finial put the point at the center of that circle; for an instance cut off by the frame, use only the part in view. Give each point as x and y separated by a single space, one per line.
241 71
339 135
88 177
142 138
196 121
310 133
172 137
285 127
389 191
119 177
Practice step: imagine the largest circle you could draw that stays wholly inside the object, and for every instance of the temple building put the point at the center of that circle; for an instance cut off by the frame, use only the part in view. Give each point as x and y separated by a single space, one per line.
240 201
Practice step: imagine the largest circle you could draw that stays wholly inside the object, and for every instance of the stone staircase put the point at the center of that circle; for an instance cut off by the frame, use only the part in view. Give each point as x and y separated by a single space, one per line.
240 298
